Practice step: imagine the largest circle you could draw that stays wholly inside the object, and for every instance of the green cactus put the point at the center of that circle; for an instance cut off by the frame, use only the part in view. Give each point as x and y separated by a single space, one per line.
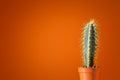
90 44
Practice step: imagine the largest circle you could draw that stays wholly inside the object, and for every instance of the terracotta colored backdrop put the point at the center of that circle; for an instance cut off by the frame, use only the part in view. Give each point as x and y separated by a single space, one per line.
40 40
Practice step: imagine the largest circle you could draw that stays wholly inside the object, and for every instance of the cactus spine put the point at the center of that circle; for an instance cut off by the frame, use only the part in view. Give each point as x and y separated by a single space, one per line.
90 44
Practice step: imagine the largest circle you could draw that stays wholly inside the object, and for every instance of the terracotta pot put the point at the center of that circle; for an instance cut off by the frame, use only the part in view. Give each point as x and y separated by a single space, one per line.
89 73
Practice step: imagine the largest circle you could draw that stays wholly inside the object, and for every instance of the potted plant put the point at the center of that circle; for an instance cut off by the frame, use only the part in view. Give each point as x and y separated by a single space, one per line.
89 71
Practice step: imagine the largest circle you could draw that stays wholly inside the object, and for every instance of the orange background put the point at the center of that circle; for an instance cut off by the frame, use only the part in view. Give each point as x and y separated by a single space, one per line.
40 40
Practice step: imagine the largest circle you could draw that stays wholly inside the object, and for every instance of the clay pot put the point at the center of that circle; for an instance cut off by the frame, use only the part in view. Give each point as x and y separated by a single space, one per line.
89 73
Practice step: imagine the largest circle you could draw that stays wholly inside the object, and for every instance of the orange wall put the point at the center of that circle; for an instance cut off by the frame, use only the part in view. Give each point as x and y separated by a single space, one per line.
40 40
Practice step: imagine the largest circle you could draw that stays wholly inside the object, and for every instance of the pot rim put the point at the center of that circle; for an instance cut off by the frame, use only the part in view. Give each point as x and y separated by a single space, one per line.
89 69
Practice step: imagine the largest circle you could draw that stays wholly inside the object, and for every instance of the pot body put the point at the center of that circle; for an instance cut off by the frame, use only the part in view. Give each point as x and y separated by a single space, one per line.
89 73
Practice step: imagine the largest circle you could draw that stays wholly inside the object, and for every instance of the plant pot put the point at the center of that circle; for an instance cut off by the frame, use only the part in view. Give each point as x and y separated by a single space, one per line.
89 73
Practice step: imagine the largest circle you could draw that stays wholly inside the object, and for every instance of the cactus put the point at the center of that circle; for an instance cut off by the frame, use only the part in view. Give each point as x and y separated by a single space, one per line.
90 44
